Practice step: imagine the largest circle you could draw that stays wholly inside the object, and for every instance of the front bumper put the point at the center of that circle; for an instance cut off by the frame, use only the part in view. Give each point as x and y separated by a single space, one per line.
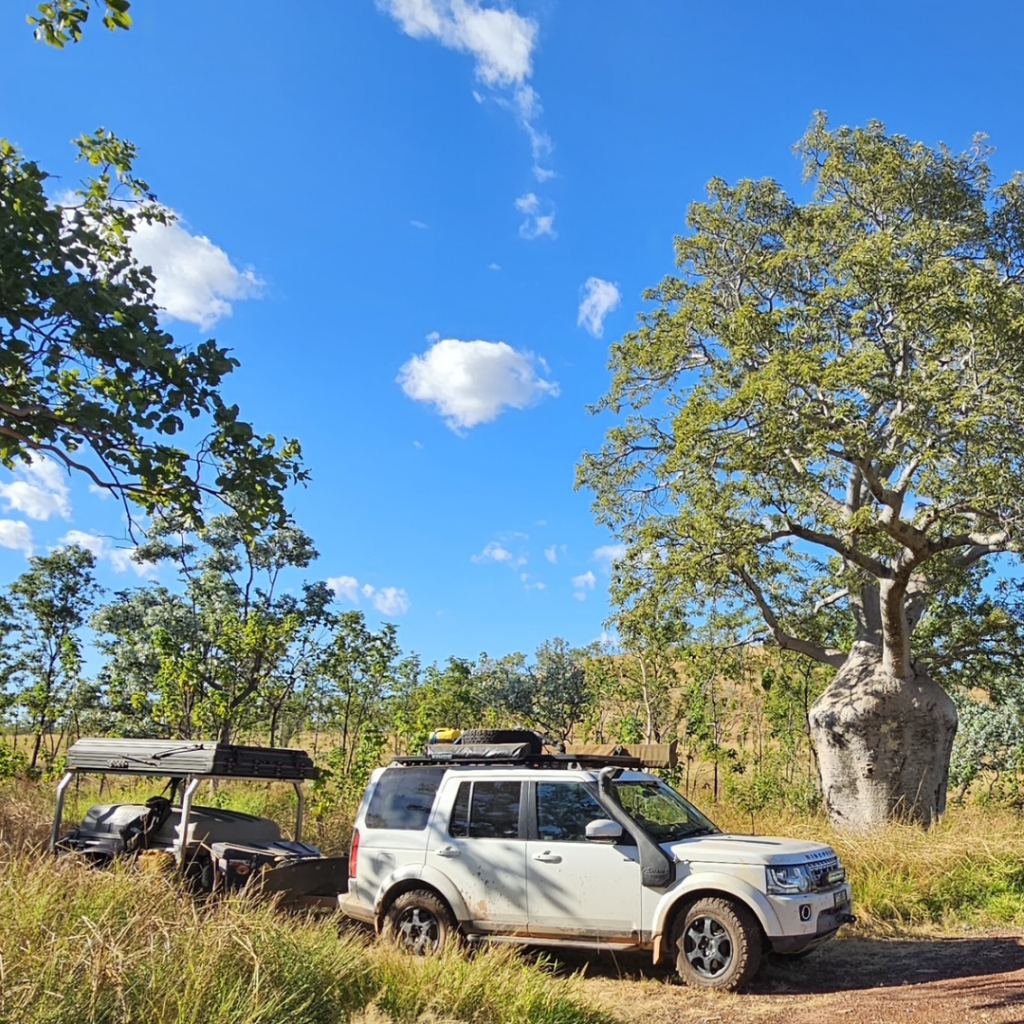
808 921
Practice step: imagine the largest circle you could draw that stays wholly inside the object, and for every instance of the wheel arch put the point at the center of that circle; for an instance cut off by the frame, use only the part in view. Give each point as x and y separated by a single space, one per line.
419 877
714 886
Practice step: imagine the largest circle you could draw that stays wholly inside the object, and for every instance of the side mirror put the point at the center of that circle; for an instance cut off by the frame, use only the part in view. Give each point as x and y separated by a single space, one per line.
603 830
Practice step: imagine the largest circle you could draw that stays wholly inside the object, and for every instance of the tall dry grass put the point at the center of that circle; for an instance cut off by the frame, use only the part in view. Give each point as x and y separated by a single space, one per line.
966 870
85 946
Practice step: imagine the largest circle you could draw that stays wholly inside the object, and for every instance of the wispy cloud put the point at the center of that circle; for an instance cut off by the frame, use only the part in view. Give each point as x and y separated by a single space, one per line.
599 299
473 382
419 224
552 553
501 42
540 217
583 584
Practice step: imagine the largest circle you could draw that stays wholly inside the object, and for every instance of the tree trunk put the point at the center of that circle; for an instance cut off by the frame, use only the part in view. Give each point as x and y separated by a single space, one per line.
883 744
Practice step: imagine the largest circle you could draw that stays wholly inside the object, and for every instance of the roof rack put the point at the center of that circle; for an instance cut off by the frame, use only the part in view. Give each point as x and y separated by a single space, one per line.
567 761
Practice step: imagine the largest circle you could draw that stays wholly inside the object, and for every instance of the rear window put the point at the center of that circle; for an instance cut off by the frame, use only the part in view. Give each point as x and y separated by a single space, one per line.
402 798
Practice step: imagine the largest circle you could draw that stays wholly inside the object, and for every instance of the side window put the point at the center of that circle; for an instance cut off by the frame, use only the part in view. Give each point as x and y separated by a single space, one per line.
486 810
564 809
402 798
459 827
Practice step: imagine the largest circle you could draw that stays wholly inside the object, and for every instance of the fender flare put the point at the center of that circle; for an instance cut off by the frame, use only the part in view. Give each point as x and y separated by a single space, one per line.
727 885
429 876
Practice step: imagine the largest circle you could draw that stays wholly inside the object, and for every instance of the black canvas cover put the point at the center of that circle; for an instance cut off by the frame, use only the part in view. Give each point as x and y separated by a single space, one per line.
190 757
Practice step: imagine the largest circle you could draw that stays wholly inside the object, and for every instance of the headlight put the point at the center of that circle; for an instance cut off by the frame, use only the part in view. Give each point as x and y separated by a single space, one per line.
789 880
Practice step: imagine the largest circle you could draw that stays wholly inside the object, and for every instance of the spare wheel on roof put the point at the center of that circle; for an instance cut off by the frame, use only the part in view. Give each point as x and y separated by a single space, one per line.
503 736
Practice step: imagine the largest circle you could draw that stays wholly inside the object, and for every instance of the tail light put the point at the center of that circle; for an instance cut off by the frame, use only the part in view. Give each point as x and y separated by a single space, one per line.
353 854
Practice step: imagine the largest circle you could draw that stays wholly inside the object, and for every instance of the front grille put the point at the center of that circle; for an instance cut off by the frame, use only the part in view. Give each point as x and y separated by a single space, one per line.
820 871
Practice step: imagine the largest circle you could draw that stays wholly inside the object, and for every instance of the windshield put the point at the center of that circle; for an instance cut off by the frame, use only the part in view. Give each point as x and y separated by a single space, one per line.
662 813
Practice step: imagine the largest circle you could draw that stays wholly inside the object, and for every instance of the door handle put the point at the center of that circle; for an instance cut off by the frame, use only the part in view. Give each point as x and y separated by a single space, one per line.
547 857
448 851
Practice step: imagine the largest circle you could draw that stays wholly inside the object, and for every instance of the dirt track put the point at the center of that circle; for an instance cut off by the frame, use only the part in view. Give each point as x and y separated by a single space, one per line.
974 979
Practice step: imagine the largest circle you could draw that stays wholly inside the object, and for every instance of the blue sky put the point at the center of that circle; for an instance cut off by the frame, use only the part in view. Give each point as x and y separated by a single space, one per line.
391 212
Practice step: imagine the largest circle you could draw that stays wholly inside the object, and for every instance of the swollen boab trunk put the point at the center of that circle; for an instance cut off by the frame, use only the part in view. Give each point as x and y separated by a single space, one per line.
883 743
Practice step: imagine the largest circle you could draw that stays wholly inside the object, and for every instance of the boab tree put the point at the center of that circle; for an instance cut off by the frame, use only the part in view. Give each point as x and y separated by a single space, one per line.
822 421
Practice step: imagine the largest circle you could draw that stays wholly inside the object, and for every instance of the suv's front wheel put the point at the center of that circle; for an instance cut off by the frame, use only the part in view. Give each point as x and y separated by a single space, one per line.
718 945
419 922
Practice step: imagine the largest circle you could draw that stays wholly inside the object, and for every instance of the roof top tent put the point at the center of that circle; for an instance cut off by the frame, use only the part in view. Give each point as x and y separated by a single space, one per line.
188 760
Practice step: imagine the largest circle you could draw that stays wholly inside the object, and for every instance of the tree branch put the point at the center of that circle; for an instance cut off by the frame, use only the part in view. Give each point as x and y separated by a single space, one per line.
788 642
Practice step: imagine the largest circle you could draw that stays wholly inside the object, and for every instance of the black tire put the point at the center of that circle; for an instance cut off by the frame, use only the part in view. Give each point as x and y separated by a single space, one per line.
420 922
502 736
718 945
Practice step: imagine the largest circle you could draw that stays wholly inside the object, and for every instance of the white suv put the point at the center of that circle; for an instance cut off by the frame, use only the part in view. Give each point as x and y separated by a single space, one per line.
554 850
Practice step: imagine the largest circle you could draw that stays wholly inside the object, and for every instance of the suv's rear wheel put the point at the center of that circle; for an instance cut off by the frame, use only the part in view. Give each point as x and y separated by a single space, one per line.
419 922
718 945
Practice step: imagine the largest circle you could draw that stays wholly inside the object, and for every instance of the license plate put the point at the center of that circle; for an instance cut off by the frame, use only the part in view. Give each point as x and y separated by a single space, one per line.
842 898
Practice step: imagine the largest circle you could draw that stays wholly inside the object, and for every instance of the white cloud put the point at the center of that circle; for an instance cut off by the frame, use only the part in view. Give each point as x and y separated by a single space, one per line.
345 586
195 279
387 600
540 217
473 382
493 552
120 559
582 584
391 601
609 553
494 266
599 299
15 536
524 578
500 41
39 489
418 224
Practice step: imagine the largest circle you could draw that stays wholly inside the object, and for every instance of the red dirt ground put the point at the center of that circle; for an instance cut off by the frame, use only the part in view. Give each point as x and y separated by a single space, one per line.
975 978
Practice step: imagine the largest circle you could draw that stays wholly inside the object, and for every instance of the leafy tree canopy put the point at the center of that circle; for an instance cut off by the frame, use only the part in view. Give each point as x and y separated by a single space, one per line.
88 376
822 412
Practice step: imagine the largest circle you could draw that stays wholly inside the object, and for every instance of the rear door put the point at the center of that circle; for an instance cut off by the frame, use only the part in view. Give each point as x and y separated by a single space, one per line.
576 887
481 849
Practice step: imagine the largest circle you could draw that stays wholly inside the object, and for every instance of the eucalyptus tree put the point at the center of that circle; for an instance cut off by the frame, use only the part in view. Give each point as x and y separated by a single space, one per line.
87 374
228 646
48 608
358 671
821 417
555 694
